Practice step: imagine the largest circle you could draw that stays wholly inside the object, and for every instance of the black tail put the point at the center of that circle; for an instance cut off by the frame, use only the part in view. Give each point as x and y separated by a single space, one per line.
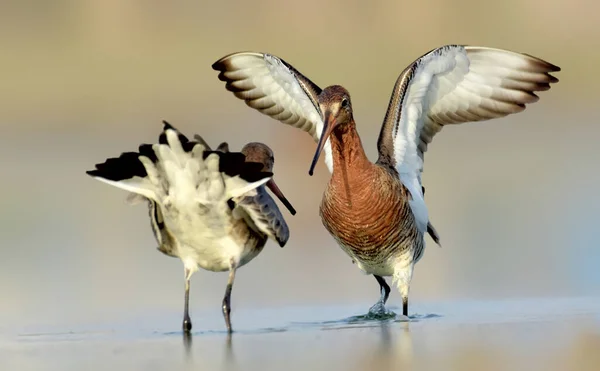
128 165
430 229
125 166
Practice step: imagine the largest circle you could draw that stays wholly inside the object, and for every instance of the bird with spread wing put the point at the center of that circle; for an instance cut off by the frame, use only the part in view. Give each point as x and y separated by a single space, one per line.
376 211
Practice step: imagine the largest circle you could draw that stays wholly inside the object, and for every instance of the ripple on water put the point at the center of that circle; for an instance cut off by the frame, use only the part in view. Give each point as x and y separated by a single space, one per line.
368 320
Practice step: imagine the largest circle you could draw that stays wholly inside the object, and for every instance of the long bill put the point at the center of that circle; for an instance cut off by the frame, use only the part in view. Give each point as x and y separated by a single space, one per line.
328 126
277 192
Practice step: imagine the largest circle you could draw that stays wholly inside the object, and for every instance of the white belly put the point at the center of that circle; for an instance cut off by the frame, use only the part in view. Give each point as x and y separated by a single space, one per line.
211 241
385 267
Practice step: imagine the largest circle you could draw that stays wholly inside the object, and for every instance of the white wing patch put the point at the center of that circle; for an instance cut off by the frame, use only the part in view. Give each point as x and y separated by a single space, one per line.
298 100
408 162
267 84
432 80
451 85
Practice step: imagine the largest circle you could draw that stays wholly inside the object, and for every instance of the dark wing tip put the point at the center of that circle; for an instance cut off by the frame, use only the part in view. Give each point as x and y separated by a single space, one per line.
554 68
222 63
230 87
162 138
282 241
221 66
167 126
547 65
222 77
92 173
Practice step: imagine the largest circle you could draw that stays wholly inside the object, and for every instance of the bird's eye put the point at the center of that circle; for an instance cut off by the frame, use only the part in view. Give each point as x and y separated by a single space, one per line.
344 103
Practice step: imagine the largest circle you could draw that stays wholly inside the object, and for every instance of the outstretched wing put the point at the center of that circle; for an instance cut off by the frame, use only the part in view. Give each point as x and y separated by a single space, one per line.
451 85
275 88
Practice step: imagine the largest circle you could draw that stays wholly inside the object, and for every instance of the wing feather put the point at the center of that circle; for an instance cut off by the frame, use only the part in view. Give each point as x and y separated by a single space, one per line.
453 84
263 215
275 88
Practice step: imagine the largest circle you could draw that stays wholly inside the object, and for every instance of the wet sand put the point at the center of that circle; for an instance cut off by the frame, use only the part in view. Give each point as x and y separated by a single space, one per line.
532 334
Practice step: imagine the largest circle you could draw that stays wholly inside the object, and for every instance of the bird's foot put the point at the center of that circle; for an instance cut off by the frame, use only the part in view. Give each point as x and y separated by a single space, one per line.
187 325
379 311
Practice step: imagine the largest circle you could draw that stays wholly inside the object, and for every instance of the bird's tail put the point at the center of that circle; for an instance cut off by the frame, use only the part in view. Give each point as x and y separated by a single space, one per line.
430 229
179 171
433 233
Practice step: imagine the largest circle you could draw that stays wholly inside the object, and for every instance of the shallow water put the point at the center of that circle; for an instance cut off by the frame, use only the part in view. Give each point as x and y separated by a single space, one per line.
532 334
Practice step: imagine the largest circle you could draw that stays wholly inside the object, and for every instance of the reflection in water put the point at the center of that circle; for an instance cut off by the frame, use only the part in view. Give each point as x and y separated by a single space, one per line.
477 340
405 344
187 345
384 351
228 350
386 338
392 347
229 356
395 348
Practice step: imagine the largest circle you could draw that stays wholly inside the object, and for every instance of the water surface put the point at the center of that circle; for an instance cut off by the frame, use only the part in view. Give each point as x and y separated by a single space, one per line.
531 334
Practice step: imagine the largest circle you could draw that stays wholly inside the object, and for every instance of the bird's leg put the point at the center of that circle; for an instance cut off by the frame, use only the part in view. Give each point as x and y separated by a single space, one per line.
187 322
403 277
227 298
379 307
385 289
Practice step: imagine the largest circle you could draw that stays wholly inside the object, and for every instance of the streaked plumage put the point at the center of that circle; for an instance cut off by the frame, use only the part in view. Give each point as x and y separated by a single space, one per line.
208 208
376 211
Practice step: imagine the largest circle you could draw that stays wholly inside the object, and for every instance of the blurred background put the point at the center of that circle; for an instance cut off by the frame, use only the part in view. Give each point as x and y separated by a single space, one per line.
515 200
